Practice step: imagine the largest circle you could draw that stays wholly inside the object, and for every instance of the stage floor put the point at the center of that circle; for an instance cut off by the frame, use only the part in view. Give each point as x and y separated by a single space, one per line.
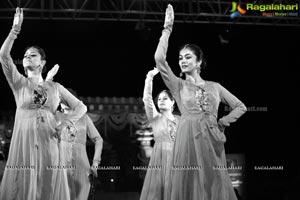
117 196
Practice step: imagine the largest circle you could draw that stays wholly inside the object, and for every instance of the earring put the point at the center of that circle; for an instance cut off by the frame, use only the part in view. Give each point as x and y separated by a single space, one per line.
199 70
41 68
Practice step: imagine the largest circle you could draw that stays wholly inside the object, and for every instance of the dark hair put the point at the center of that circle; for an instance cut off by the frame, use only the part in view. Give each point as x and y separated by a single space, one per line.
41 52
197 51
169 94
39 49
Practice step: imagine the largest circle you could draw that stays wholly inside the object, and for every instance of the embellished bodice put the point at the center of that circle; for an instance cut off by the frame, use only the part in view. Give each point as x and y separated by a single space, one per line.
43 96
172 127
69 134
39 96
76 133
164 129
199 99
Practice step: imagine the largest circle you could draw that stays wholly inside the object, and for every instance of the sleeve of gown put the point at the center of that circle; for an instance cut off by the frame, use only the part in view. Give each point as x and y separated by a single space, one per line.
13 77
171 81
78 108
238 108
94 135
150 109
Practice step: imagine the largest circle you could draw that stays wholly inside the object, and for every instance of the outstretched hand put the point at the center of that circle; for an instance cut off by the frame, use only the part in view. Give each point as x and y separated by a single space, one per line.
169 17
152 72
51 73
18 19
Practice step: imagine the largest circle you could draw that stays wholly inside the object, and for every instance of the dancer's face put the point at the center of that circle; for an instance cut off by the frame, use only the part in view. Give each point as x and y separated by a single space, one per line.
188 61
32 60
164 102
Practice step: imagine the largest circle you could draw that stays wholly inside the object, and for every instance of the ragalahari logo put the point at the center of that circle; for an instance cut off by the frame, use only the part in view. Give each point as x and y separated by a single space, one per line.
236 10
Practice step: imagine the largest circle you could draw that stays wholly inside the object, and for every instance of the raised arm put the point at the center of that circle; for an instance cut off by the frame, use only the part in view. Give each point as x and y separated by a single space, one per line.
238 108
168 76
150 109
94 135
12 75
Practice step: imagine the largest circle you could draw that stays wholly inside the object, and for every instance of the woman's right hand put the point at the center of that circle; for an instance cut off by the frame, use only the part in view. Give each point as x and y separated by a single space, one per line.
169 17
18 19
152 72
222 125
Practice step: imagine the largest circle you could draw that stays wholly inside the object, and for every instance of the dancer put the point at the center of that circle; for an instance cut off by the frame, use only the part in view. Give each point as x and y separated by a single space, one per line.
164 125
199 162
73 145
33 169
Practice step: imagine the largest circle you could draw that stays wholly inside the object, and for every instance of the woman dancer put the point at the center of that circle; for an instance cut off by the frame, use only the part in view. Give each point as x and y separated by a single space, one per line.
164 125
73 142
199 163
33 170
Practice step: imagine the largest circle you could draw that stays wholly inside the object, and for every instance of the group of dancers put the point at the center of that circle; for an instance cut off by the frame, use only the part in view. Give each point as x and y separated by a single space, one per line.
47 155
188 159
189 149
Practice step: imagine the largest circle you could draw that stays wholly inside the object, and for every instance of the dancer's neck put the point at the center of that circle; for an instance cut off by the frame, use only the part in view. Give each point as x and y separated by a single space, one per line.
196 78
168 114
36 78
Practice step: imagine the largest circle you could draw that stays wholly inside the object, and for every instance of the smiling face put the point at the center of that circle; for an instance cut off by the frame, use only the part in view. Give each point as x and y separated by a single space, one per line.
164 102
188 61
33 60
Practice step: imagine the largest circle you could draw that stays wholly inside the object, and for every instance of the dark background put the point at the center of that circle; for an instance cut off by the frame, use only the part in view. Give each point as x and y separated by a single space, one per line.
258 65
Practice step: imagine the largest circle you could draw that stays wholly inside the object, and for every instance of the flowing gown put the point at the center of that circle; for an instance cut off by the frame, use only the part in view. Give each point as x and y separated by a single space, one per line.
199 162
157 178
33 170
74 148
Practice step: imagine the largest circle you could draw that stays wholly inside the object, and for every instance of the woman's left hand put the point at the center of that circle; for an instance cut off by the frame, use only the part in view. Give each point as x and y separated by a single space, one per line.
169 17
51 73
152 72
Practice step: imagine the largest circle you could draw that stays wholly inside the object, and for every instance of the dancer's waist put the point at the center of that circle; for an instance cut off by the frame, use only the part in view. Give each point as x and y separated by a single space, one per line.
199 114
74 142
199 117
